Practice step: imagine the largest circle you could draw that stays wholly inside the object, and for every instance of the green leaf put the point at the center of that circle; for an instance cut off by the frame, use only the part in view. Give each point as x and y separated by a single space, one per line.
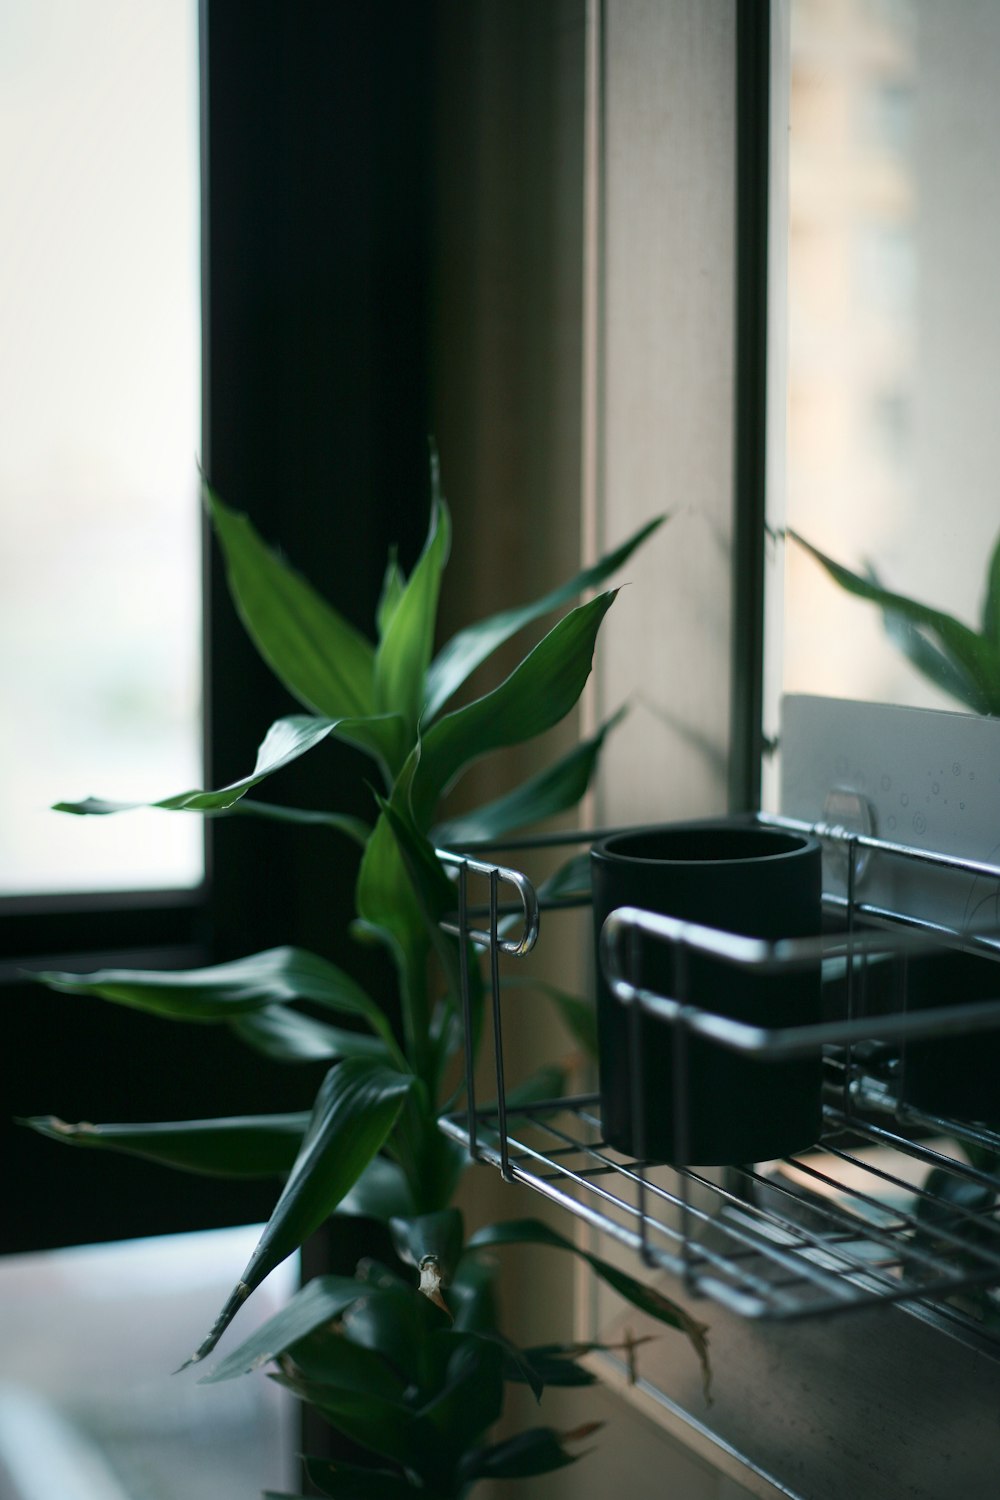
354 1482
930 661
355 1109
437 1236
387 907
404 653
393 585
316 653
291 1036
285 741
387 1428
431 897
558 1364
578 1015
646 1298
937 665
398 1323
354 828
319 1302
434 895
327 1357
472 1399
552 791
238 1146
472 1295
571 879
380 1192
538 1451
975 656
548 1082
224 991
991 598
536 695
471 647
385 737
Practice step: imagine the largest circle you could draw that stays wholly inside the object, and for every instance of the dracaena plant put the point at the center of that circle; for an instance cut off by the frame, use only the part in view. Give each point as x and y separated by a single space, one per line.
962 661
405 1361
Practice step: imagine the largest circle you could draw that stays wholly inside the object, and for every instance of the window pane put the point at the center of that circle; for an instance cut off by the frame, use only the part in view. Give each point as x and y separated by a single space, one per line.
100 396
89 1409
894 327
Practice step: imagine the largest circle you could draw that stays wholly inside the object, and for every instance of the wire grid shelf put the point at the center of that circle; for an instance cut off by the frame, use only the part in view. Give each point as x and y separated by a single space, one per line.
893 1204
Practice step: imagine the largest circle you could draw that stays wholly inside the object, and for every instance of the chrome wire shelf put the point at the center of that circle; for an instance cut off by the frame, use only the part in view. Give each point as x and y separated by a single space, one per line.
893 1204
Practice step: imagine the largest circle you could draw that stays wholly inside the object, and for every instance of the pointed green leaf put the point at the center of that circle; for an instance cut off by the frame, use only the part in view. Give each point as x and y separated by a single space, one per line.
472 1295
646 1298
393 585
578 1015
354 1482
354 828
328 1358
404 653
536 695
937 665
387 1428
471 647
387 908
400 1324
571 879
385 737
435 897
291 1036
472 1399
438 1236
316 653
548 1082
558 1364
284 742
224 991
977 657
930 661
552 791
539 1450
380 1192
239 1146
313 1306
355 1109
991 597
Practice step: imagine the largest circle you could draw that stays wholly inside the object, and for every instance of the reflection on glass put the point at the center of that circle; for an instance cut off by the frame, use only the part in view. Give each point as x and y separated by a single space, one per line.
88 1407
99 389
893 325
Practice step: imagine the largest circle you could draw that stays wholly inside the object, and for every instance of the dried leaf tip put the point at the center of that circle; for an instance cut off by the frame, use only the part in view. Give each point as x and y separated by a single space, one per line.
431 1282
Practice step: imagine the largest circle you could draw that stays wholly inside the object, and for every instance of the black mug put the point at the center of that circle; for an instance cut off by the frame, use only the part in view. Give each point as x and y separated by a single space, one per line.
740 876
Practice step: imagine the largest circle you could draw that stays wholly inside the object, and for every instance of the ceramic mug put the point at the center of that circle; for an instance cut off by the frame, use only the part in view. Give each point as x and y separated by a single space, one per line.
738 875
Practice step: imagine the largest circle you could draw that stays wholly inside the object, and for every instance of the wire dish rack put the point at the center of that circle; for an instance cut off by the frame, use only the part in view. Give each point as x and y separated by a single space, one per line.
895 1203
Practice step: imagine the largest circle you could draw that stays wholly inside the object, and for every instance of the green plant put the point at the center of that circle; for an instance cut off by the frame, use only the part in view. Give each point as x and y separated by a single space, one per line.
963 662
411 1370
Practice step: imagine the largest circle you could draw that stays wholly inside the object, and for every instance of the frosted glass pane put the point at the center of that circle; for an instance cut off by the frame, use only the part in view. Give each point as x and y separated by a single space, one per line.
894 327
89 1409
100 417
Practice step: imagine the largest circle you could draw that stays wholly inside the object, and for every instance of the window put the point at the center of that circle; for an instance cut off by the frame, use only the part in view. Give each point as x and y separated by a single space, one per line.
100 387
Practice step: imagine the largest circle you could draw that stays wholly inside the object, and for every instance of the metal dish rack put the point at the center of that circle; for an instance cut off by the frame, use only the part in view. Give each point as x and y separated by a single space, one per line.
892 1205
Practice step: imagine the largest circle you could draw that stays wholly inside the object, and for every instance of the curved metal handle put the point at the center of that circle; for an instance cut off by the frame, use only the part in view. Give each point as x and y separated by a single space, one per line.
528 898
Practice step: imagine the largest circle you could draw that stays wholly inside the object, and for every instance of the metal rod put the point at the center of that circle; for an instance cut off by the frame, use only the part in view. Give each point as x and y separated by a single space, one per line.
463 969
498 1027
